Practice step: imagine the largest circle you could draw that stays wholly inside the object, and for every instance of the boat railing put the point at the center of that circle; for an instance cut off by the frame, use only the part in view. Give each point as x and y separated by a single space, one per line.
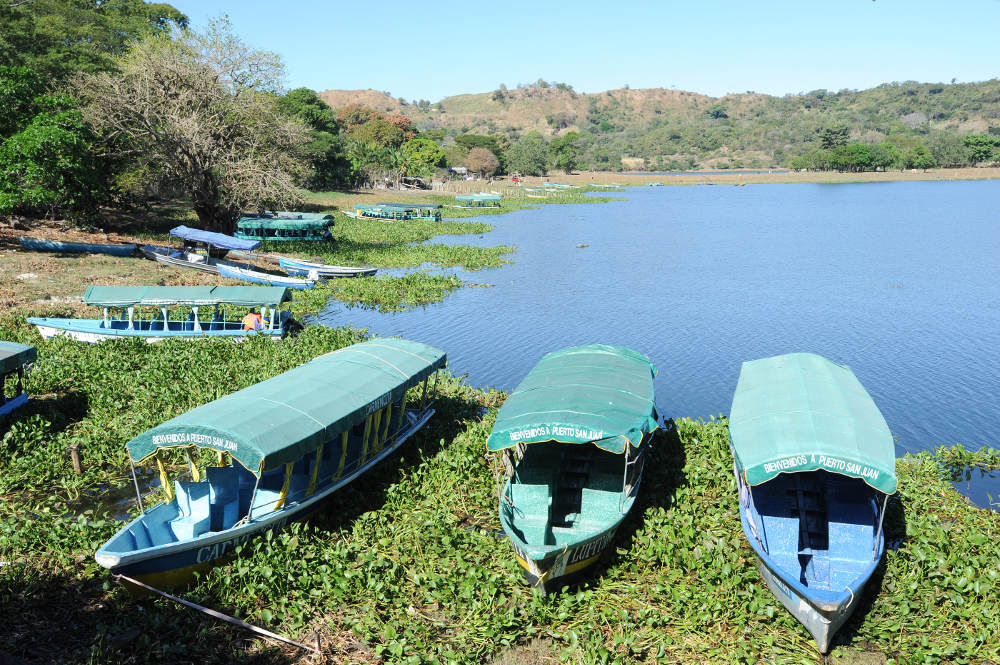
131 319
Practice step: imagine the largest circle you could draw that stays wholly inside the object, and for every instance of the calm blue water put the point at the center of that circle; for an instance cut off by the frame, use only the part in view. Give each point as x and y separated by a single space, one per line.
901 281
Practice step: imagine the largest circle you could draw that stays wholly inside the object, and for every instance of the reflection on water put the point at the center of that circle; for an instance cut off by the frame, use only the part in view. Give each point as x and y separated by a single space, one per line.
900 281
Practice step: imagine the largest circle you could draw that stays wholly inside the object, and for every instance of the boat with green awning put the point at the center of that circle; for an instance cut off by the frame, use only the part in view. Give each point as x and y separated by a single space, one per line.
815 464
481 200
154 313
14 358
278 449
572 439
284 226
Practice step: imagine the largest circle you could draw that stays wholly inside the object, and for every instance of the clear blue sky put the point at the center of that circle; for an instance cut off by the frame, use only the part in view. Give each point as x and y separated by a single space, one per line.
432 50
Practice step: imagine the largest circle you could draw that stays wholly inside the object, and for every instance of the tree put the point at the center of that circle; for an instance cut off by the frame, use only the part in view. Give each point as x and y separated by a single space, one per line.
46 162
57 38
200 110
423 156
329 165
528 155
832 137
885 155
982 148
482 161
717 111
564 152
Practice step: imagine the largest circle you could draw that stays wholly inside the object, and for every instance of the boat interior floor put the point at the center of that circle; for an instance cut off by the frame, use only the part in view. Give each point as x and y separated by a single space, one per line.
818 527
563 493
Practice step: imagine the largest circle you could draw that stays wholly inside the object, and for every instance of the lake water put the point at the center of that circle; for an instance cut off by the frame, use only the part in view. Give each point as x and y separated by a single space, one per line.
901 281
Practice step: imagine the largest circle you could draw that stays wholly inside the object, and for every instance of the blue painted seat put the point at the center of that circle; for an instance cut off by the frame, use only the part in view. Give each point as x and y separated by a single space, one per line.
193 506
223 496
141 536
246 481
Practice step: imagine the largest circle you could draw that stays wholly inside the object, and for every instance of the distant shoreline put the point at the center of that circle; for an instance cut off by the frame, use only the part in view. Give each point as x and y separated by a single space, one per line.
757 178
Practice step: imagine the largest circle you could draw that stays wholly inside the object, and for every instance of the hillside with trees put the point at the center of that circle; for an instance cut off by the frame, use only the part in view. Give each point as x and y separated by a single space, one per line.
895 125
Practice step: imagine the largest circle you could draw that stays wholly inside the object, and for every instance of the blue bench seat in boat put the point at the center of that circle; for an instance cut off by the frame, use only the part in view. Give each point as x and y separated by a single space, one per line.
223 496
193 506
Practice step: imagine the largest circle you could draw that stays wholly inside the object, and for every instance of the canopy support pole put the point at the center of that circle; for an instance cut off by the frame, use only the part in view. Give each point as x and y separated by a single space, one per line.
315 471
193 466
423 395
135 480
164 481
885 502
388 420
402 411
376 430
435 391
106 318
131 311
343 456
283 497
364 441
197 323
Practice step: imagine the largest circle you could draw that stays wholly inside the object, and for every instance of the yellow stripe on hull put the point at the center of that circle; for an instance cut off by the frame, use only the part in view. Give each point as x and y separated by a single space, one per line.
570 569
169 578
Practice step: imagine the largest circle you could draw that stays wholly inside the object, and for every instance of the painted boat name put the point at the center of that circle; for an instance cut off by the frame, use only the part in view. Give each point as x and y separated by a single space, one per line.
556 430
832 463
195 438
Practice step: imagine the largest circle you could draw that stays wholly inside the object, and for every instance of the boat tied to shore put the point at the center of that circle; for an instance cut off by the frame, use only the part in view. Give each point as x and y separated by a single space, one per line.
41 245
572 439
280 447
299 268
481 200
260 277
395 212
14 359
178 312
815 465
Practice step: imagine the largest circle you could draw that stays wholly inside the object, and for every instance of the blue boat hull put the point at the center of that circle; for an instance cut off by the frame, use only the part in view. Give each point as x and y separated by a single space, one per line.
76 247
13 403
818 580
93 330
256 277
305 268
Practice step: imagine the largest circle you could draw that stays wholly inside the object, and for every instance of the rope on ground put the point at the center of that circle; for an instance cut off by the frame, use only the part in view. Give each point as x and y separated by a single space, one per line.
219 615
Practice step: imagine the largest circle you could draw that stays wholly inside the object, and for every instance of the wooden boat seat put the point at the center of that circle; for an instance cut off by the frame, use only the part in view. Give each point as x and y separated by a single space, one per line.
223 496
193 507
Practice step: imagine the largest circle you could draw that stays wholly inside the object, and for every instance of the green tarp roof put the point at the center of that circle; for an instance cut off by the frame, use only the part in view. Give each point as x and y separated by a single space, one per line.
125 296
802 412
409 206
584 394
312 224
479 197
281 419
14 355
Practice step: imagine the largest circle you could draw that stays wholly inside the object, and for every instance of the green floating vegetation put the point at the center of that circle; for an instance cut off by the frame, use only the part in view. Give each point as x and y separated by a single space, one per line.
408 564
386 294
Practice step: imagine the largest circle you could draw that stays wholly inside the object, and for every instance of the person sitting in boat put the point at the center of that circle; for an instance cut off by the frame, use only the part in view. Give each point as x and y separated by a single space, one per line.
253 320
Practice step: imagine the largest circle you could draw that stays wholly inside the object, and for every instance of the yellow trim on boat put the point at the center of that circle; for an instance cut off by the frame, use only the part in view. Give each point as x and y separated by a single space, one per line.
280 503
195 471
315 472
364 441
376 426
343 456
168 489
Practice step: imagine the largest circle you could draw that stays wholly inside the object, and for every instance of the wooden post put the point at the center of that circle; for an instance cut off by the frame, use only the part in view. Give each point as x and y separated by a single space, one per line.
74 455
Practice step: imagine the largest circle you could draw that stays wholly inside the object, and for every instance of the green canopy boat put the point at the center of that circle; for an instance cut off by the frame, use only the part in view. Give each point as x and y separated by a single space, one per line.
481 200
572 440
284 226
14 358
282 447
815 464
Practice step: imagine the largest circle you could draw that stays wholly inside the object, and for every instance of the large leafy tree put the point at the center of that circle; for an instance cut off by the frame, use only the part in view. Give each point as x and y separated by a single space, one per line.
57 38
199 110
482 161
528 155
564 152
422 156
46 163
329 165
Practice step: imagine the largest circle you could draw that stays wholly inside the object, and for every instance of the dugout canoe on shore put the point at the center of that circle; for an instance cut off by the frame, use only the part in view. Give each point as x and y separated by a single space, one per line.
40 245
572 438
270 454
815 465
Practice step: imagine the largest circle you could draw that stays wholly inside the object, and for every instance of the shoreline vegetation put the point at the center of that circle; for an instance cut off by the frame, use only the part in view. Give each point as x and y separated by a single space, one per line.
410 565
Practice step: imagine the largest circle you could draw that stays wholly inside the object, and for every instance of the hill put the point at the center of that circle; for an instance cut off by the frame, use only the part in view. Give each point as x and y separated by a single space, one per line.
658 128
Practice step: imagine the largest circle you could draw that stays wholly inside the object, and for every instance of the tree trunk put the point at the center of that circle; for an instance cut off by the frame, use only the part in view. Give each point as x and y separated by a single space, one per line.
212 214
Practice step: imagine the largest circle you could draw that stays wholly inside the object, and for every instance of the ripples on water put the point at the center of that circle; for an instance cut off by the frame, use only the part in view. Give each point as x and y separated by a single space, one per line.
897 280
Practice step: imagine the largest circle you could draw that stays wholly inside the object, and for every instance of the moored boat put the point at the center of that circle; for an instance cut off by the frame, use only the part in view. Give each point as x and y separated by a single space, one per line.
39 245
284 226
815 465
481 200
203 313
281 448
14 358
426 211
572 438
260 277
300 268
184 259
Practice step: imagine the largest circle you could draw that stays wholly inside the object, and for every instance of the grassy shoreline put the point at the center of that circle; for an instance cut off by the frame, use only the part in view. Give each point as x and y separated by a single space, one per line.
407 566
